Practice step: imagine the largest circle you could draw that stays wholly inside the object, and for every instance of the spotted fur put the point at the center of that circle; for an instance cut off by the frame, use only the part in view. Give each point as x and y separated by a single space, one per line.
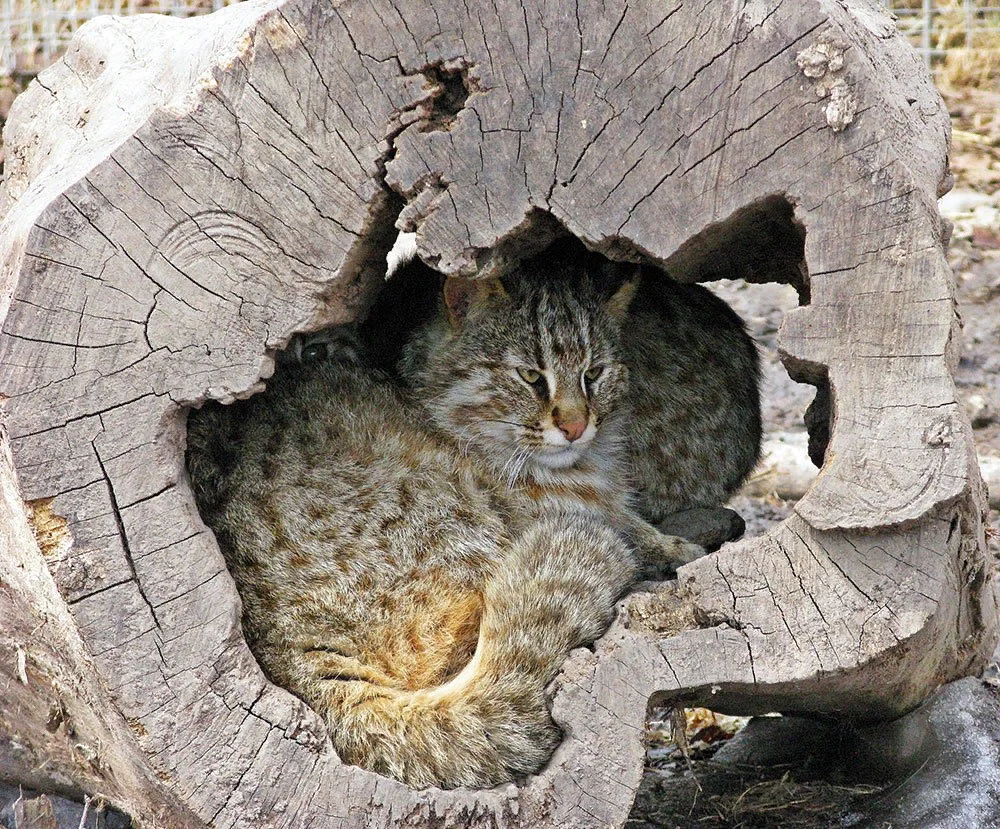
417 569
690 425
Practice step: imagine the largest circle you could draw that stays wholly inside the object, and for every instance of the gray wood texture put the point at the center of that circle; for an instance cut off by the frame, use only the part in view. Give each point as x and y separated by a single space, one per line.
183 196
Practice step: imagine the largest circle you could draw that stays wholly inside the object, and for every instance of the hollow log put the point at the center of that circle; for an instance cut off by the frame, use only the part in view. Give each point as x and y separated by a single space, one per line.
183 196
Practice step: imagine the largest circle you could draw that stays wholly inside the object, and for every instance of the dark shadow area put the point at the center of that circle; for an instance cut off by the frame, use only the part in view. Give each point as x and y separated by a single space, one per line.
761 242
452 86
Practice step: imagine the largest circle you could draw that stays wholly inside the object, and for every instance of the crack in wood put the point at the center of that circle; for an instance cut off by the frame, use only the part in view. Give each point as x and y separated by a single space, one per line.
122 534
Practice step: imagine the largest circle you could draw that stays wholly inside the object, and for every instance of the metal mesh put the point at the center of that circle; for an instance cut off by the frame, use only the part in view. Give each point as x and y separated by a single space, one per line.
939 27
33 33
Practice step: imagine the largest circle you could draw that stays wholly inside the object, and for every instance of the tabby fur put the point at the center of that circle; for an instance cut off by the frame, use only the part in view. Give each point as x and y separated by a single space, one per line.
417 568
691 423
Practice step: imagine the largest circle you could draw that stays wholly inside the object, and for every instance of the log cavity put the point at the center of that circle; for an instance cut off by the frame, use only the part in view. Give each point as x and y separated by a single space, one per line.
761 247
755 261
451 84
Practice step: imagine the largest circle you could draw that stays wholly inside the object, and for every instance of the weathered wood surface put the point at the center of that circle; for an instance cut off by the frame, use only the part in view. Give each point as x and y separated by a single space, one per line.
58 728
183 196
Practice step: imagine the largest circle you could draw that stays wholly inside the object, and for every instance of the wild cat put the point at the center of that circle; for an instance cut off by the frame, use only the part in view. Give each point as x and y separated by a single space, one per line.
416 569
691 423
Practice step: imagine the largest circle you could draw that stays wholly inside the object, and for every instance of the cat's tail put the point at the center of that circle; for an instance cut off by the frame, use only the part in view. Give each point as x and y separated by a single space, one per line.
489 724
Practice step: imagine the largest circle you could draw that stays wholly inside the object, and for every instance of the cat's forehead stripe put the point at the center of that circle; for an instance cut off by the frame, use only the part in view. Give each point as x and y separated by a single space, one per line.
539 331
568 334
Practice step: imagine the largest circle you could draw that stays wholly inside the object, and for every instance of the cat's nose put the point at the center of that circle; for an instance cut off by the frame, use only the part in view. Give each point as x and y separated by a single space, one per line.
572 429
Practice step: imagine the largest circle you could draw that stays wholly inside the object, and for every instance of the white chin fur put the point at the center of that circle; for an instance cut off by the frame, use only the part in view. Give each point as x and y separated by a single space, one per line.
561 458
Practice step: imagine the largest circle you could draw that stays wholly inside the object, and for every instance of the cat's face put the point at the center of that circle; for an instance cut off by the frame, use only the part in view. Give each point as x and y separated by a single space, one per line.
533 376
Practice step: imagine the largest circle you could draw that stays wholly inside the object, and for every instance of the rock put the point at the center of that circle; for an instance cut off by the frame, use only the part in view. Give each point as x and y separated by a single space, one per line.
980 411
785 467
959 201
761 514
958 786
970 212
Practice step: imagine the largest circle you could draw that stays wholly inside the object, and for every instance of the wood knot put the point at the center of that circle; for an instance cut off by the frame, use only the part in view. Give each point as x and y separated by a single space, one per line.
939 433
823 64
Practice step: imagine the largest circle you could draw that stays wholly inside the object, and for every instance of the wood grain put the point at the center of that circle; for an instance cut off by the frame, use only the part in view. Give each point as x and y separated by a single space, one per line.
183 196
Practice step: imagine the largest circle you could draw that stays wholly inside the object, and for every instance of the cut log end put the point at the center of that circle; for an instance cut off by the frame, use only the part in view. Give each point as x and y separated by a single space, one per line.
164 256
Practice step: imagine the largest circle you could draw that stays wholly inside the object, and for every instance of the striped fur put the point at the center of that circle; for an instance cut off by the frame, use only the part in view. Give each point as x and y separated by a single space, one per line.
689 427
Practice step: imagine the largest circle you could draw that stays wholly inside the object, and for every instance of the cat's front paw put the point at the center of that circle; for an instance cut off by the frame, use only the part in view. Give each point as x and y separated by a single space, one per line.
688 551
711 527
675 550
663 554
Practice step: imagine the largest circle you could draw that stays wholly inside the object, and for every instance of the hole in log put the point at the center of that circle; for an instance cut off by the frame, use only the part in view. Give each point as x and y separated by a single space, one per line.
755 261
452 85
721 770
366 580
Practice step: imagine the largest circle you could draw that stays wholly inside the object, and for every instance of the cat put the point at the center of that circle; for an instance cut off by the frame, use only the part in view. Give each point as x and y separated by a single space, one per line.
416 568
692 427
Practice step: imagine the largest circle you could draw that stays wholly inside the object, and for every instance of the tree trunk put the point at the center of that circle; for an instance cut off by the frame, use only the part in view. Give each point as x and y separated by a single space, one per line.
183 196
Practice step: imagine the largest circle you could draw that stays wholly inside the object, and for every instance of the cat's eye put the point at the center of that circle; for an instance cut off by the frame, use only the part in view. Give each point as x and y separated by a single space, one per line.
592 373
315 352
529 375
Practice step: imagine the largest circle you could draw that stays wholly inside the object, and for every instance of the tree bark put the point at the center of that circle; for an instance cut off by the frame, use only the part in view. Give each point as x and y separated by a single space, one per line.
183 196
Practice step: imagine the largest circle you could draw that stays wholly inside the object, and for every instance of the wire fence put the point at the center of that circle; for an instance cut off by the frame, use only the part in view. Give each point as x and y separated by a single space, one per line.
943 30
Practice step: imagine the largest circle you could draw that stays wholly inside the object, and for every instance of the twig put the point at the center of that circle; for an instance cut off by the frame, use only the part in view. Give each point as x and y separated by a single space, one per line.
22 665
86 809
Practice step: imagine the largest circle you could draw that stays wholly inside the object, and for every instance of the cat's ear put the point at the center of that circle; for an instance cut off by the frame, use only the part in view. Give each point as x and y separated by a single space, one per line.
621 299
462 295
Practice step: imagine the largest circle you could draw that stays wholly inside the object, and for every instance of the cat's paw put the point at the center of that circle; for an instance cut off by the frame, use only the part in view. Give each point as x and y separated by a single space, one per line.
688 551
663 554
711 527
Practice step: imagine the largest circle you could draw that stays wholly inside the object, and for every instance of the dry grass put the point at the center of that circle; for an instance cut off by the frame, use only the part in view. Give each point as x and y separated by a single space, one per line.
968 37
782 802
717 796
970 40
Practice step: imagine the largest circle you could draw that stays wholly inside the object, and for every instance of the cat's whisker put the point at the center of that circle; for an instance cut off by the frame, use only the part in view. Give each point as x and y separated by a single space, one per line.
516 472
513 465
525 457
